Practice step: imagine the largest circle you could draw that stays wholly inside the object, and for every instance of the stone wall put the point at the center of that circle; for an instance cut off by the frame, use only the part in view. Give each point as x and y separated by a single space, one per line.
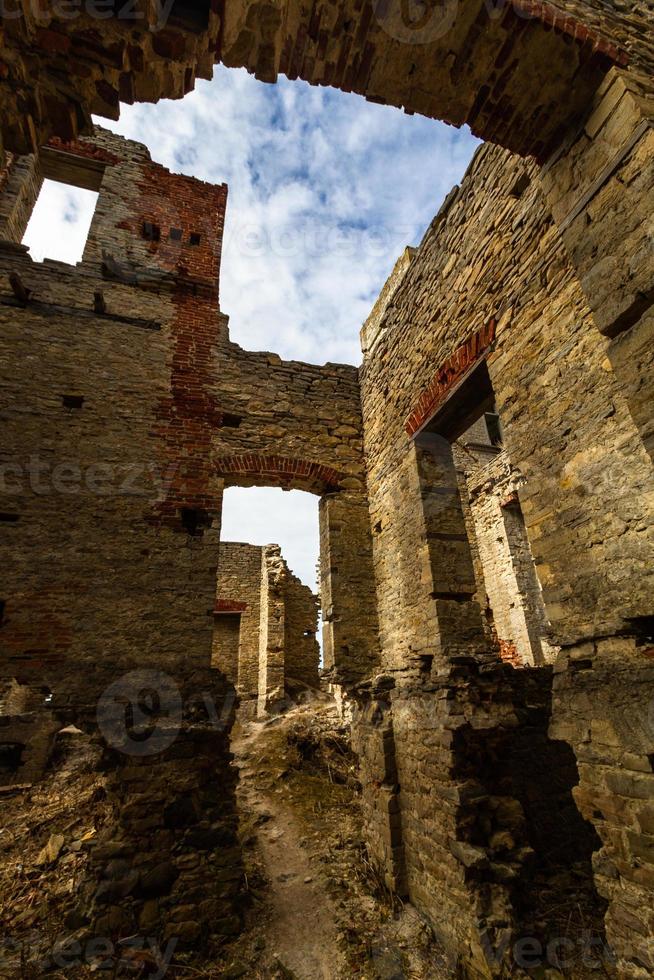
243 615
27 734
86 447
518 73
491 287
604 697
238 593
20 187
90 486
171 412
272 632
515 606
168 860
599 190
493 254
301 618
126 410
137 410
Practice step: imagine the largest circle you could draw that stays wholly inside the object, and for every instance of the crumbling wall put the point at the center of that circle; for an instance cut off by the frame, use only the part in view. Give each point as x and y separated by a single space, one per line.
507 566
109 601
20 186
91 480
604 700
238 593
170 412
519 74
599 190
299 426
27 734
373 741
493 253
288 650
491 270
251 579
126 411
491 279
272 630
301 626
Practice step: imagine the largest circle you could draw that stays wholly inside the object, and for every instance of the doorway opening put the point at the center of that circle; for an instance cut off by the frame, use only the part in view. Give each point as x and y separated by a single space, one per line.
226 640
266 615
508 589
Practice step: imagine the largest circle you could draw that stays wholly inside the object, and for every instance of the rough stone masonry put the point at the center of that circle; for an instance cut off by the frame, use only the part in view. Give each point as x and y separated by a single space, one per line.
265 625
501 690
139 412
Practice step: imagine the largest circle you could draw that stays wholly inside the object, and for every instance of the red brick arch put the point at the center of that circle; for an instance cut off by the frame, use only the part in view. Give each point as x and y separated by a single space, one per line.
448 375
287 472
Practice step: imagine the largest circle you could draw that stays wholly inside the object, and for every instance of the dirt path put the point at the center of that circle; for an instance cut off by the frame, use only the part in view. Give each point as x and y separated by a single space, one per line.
316 908
301 933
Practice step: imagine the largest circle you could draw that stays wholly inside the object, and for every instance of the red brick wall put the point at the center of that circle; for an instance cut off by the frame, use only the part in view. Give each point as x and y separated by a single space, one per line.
183 209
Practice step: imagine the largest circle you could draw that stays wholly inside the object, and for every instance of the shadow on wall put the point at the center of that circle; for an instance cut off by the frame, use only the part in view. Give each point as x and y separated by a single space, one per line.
527 821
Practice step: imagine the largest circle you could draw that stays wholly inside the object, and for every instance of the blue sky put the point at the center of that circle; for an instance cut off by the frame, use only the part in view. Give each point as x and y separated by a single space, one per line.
325 191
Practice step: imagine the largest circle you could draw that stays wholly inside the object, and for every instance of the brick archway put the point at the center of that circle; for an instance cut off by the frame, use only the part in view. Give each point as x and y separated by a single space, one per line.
287 472
350 630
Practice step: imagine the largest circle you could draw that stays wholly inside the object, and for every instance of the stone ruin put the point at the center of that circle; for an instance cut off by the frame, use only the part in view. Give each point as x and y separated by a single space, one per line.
265 626
485 481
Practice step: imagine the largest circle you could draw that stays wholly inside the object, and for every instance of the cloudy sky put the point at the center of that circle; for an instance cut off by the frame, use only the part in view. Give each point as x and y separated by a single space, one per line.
325 190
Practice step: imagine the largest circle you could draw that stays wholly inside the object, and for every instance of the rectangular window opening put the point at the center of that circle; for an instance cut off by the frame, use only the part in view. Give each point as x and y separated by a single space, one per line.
231 421
151 232
72 401
195 520
59 226
465 407
494 428
194 238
